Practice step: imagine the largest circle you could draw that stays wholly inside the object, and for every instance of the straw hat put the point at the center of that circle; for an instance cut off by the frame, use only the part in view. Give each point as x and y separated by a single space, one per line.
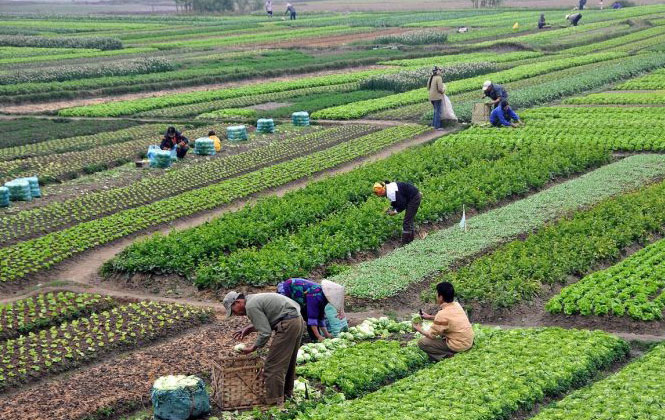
334 293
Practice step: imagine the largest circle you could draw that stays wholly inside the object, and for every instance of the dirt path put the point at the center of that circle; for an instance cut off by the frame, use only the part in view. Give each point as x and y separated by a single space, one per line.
35 108
83 270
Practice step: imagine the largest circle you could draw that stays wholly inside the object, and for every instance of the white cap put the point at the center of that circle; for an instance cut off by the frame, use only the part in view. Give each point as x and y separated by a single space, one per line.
567 16
486 85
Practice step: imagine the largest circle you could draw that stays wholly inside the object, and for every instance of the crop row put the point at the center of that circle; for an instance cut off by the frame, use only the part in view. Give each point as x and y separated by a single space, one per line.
76 54
100 43
27 130
64 165
30 357
79 143
618 41
90 206
632 392
243 101
505 372
298 104
359 109
274 217
47 309
263 38
622 98
114 109
412 79
31 256
452 59
79 71
633 287
546 38
479 185
655 80
365 366
628 129
388 275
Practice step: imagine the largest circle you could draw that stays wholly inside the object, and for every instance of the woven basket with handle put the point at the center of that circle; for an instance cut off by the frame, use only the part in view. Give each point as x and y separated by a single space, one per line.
238 382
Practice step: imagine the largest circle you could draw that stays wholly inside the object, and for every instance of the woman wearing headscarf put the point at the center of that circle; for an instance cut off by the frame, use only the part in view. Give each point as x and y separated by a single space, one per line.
437 91
313 298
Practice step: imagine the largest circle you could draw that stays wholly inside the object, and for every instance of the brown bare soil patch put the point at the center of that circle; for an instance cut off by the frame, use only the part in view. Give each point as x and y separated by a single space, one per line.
121 384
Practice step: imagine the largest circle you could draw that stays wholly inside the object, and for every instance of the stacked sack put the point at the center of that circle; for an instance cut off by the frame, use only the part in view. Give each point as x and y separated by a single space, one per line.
19 190
236 133
204 146
4 197
300 118
34 186
265 125
161 159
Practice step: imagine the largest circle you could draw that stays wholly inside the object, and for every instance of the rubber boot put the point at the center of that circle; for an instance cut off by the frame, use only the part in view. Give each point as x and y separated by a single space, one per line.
407 237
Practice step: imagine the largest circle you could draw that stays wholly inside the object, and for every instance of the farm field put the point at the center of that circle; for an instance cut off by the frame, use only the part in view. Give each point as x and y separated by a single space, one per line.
115 255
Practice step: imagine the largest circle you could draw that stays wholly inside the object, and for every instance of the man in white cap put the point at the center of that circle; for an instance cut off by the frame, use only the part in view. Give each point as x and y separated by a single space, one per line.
574 19
270 312
495 92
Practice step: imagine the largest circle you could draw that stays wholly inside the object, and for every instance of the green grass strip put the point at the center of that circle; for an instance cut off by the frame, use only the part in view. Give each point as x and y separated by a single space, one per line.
387 276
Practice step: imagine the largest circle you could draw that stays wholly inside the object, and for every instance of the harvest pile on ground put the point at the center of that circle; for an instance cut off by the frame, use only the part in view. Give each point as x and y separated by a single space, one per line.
115 275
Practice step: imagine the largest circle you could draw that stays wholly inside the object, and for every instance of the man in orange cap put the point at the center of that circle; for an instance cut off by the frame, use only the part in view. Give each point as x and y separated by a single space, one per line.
402 196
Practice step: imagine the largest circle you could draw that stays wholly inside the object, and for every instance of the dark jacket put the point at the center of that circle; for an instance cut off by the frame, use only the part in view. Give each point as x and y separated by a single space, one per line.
405 193
168 143
541 22
497 91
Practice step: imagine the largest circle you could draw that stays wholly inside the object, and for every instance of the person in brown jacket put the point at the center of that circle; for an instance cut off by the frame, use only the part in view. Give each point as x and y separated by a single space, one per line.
436 92
451 332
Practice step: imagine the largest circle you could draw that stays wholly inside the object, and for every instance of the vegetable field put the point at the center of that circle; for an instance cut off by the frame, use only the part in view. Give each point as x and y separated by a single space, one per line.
114 264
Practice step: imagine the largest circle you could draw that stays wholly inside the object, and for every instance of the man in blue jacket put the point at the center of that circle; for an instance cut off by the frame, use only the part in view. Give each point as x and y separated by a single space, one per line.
503 116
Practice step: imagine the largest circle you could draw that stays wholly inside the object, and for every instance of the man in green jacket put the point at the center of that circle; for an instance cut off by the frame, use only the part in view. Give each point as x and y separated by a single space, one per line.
270 312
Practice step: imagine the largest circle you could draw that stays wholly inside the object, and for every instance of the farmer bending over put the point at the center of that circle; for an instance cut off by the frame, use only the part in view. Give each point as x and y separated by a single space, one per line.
504 116
402 196
495 92
270 312
313 298
451 332
174 138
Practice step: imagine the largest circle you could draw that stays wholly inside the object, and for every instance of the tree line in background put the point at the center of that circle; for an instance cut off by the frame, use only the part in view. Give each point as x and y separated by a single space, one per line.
218 5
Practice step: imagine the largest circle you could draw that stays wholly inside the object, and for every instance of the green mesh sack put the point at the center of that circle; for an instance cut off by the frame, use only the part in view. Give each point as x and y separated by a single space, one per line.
179 398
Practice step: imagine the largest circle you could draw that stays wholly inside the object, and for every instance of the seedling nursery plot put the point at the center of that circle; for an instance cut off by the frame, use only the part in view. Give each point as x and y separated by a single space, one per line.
115 255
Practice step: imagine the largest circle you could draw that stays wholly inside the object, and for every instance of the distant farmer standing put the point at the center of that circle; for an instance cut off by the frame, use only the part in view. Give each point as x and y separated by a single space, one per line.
451 332
437 91
495 92
402 196
270 312
292 10
269 7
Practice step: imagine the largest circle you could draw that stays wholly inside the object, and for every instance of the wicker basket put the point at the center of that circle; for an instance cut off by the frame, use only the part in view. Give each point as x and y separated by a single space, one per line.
238 382
481 113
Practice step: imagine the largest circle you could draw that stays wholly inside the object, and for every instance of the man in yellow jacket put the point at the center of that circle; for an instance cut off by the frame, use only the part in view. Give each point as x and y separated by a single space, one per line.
451 331
437 91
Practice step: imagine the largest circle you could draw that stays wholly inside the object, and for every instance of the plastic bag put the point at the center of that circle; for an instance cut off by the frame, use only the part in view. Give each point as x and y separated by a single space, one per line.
179 398
448 112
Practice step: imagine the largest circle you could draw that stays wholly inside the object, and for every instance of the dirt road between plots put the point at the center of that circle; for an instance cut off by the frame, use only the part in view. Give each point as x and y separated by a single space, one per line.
35 108
84 269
